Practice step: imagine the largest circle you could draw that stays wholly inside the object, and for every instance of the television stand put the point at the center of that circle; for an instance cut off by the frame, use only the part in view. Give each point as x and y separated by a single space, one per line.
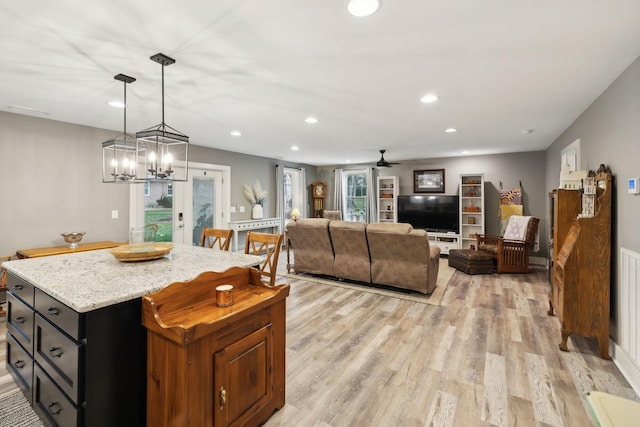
445 241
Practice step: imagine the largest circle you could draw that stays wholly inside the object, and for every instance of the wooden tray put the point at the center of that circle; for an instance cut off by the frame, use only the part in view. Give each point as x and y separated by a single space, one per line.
125 253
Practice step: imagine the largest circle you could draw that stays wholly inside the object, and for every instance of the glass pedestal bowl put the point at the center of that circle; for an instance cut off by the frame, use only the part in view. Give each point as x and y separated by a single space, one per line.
73 238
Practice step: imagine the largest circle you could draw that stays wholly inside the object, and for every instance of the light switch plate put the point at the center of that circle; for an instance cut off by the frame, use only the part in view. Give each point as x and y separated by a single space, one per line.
241 208
233 209
114 214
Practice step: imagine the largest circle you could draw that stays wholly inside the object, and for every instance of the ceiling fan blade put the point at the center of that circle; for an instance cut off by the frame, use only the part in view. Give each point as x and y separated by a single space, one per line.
383 163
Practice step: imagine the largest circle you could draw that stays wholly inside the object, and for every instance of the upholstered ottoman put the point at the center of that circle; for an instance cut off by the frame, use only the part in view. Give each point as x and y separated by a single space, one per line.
470 261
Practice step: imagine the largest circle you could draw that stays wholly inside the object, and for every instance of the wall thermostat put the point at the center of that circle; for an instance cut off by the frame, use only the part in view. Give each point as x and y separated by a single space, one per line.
633 186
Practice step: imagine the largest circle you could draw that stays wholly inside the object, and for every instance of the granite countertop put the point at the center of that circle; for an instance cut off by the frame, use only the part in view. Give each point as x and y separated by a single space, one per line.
90 280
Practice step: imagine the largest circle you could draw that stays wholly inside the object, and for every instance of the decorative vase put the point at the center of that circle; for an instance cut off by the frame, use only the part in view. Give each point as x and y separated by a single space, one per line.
256 212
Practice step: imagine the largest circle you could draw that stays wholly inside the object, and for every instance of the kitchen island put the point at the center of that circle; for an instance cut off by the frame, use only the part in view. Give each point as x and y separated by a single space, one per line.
75 343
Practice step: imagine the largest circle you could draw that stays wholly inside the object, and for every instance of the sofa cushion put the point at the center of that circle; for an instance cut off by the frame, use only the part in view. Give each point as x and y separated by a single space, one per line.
390 227
311 244
351 250
402 257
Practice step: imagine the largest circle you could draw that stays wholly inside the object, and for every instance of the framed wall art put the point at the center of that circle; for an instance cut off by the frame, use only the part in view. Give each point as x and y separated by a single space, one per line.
428 181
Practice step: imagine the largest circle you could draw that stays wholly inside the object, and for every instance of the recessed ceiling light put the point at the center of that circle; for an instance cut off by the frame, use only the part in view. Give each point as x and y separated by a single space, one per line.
361 8
116 104
428 98
235 133
295 148
33 110
311 120
348 161
527 131
465 152
451 130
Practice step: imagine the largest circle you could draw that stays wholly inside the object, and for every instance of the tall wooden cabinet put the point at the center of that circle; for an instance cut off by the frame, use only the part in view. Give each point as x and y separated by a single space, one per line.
388 199
581 264
471 209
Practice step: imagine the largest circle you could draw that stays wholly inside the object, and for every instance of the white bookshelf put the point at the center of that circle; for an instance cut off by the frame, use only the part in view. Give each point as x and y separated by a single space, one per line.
388 198
472 212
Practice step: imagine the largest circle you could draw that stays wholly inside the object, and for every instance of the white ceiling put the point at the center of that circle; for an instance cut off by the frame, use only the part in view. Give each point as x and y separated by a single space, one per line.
262 67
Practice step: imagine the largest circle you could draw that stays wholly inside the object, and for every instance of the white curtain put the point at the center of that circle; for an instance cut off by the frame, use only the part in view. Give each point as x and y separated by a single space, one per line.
303 187
337 191
371 196
280 195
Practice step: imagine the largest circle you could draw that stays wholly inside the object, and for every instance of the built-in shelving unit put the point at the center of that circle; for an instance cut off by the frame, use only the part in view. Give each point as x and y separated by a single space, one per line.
471 209
388 199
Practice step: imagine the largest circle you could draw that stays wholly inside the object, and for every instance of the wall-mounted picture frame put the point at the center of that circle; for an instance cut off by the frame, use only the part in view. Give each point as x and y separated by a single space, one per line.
428 181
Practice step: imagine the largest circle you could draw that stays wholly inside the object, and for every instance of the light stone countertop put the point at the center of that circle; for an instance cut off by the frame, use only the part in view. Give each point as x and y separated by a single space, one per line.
90 280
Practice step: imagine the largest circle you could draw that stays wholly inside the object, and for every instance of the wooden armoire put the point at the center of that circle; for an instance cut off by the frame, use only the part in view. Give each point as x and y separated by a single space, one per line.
581 264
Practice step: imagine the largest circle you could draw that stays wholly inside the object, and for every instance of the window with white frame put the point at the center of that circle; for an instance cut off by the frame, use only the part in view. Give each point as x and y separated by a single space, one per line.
354 195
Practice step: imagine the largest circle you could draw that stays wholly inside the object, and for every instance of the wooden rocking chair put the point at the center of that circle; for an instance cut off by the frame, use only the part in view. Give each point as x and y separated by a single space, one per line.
512 256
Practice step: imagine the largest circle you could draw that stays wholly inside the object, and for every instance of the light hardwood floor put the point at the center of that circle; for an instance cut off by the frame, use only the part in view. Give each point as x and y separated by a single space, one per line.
487 356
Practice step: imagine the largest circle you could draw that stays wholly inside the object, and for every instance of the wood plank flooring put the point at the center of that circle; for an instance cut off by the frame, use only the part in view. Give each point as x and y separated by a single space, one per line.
488 356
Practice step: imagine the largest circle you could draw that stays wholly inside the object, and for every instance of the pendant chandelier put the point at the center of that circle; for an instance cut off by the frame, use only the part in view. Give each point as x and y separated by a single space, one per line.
119 155
160 147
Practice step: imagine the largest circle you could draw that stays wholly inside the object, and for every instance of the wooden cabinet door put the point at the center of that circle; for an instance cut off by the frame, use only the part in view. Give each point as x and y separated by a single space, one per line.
243 378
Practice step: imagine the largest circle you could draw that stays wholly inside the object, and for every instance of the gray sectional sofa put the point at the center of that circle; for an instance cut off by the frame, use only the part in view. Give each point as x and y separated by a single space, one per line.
388 254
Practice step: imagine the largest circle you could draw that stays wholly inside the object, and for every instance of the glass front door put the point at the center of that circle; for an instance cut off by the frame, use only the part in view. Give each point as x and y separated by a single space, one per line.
158 208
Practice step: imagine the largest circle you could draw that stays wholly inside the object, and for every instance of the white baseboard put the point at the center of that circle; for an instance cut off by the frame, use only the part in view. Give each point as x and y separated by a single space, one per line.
626 365
536 260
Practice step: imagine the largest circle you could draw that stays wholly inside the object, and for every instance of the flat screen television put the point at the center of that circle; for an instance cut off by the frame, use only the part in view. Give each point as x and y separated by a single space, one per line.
435 213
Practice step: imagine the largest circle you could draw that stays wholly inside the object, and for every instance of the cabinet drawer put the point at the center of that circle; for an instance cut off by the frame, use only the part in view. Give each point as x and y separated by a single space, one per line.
59 314
20 318
59 355
447 246
51 403
20 365
20 288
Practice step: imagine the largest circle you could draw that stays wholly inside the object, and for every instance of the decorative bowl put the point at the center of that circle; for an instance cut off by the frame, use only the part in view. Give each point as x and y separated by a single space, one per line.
128 253
73 238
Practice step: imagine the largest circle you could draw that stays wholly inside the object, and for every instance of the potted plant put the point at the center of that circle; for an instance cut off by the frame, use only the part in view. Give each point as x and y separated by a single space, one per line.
257 196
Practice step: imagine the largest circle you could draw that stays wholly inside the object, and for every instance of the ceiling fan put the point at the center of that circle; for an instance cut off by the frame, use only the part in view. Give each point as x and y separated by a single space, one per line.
382 163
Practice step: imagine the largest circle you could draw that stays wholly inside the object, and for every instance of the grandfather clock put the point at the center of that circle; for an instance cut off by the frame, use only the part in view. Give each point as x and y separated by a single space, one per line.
319 193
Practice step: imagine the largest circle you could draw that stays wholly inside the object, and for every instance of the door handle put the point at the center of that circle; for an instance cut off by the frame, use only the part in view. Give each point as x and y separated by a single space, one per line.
223 396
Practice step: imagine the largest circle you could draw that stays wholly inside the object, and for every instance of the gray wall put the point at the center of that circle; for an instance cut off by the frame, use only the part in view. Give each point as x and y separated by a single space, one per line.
246 170
609 133
52 182
509 170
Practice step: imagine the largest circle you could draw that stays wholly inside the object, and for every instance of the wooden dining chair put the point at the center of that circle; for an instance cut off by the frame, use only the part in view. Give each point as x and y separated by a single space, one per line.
216 237
265 244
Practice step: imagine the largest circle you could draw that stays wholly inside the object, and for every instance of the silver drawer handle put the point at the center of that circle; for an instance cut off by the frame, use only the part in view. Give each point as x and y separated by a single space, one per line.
55 408
18 287
19 364
53 311
55 352
19 319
